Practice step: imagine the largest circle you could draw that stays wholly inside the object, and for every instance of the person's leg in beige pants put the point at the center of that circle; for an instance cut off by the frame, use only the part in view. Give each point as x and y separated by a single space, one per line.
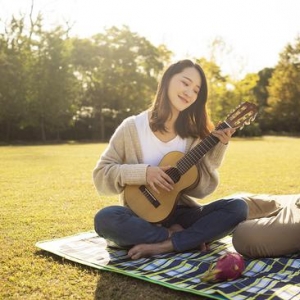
272 228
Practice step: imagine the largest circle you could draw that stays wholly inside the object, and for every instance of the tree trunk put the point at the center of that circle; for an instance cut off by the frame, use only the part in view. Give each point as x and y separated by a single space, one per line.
43 132
8 130
102 127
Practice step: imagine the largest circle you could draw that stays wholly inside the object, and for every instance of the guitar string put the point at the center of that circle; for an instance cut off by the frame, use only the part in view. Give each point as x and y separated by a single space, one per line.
191 158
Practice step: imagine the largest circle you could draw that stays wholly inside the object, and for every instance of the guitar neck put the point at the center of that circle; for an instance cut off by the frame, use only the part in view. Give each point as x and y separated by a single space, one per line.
193 156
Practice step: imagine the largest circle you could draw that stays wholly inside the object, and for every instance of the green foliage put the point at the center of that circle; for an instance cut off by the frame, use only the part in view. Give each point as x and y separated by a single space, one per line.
49 78
217 101
284 91
121 78
54 86
13 74
261 94
226 94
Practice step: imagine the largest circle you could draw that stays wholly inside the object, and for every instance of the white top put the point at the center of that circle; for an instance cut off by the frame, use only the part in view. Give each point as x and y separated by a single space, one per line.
153 148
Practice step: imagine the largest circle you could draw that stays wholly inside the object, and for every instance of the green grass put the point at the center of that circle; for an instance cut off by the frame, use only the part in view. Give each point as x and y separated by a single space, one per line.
47 192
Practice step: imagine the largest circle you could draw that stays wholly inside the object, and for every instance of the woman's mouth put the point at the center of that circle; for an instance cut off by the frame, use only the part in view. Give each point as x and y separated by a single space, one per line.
183 99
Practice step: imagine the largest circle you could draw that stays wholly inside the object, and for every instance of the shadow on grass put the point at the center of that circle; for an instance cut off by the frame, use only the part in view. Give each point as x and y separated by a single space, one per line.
113 286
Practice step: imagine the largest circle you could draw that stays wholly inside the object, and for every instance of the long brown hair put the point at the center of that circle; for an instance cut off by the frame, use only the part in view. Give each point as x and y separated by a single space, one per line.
193 121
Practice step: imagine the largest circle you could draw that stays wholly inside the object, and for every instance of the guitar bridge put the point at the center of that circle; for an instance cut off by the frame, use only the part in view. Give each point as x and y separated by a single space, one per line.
149 196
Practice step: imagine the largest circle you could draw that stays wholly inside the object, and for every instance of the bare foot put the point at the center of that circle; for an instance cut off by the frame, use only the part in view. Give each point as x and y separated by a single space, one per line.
204 247
146 250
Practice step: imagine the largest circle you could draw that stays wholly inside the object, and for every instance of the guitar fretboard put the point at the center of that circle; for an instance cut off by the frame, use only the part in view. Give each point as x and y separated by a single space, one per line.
193 156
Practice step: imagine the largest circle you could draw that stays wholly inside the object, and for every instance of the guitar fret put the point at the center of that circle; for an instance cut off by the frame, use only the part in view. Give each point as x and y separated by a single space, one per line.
206 147
192 157
211 143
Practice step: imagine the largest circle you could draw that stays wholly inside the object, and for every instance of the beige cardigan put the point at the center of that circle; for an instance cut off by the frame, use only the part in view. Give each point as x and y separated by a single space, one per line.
122 164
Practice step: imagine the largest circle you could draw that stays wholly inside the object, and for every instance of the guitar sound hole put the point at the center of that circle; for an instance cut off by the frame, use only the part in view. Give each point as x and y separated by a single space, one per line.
174 174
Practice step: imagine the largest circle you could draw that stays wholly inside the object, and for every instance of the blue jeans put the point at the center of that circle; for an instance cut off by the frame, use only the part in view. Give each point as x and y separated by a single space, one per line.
201 224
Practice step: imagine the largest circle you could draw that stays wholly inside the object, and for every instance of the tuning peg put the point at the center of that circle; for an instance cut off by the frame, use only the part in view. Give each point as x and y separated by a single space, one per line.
254 116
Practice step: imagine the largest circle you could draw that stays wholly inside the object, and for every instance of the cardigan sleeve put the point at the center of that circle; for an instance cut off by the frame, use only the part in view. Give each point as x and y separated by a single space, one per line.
119 165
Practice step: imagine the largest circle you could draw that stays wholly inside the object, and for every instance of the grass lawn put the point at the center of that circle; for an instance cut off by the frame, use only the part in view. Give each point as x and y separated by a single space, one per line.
47 192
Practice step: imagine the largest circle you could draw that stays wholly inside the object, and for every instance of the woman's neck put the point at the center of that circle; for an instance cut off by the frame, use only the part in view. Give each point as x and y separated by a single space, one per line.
170 133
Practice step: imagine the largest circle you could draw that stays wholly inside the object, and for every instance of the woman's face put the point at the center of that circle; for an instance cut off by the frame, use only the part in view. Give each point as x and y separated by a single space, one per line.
184 88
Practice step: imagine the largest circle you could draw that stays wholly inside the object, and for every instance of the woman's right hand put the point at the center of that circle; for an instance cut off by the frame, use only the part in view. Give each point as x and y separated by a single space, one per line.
157 178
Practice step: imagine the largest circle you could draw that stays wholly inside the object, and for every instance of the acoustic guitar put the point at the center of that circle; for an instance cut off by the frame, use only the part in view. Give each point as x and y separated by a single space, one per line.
156 208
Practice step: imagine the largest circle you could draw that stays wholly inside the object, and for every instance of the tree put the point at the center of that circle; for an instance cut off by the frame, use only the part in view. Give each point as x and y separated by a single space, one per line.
284 90
215 85
244 92
261 94
38 86
13 57
121 77
53 83
225 94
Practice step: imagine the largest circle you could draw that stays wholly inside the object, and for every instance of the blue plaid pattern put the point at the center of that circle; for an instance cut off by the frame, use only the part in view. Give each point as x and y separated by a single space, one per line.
268 278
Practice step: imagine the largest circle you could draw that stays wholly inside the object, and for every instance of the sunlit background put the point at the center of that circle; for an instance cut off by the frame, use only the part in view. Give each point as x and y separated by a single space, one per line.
254 32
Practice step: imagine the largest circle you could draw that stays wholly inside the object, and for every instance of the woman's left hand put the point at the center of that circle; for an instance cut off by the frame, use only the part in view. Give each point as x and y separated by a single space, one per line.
224 135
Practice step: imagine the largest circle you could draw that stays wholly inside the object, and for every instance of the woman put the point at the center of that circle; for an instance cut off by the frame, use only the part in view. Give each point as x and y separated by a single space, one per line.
177 121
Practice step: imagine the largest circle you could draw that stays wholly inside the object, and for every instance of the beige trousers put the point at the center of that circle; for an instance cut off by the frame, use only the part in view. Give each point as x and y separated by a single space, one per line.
272 228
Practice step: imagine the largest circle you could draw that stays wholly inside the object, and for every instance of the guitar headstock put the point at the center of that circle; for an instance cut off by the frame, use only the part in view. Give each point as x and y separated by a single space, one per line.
243 115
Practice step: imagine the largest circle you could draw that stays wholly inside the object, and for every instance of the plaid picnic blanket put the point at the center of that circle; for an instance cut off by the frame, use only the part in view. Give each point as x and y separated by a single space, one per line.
269 278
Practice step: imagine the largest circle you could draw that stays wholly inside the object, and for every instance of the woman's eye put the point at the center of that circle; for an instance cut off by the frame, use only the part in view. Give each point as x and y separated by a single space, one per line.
185 83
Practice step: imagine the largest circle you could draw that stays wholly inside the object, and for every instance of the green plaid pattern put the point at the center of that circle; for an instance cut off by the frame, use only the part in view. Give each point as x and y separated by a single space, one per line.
269 278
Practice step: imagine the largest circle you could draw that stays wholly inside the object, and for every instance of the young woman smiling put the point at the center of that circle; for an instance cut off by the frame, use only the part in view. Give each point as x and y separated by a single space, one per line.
176 121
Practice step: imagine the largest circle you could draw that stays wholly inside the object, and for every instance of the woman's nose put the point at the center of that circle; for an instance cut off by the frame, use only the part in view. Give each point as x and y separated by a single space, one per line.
188 92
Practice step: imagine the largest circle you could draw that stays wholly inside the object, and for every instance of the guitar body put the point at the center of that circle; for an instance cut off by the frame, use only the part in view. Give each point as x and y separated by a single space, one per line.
166 201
